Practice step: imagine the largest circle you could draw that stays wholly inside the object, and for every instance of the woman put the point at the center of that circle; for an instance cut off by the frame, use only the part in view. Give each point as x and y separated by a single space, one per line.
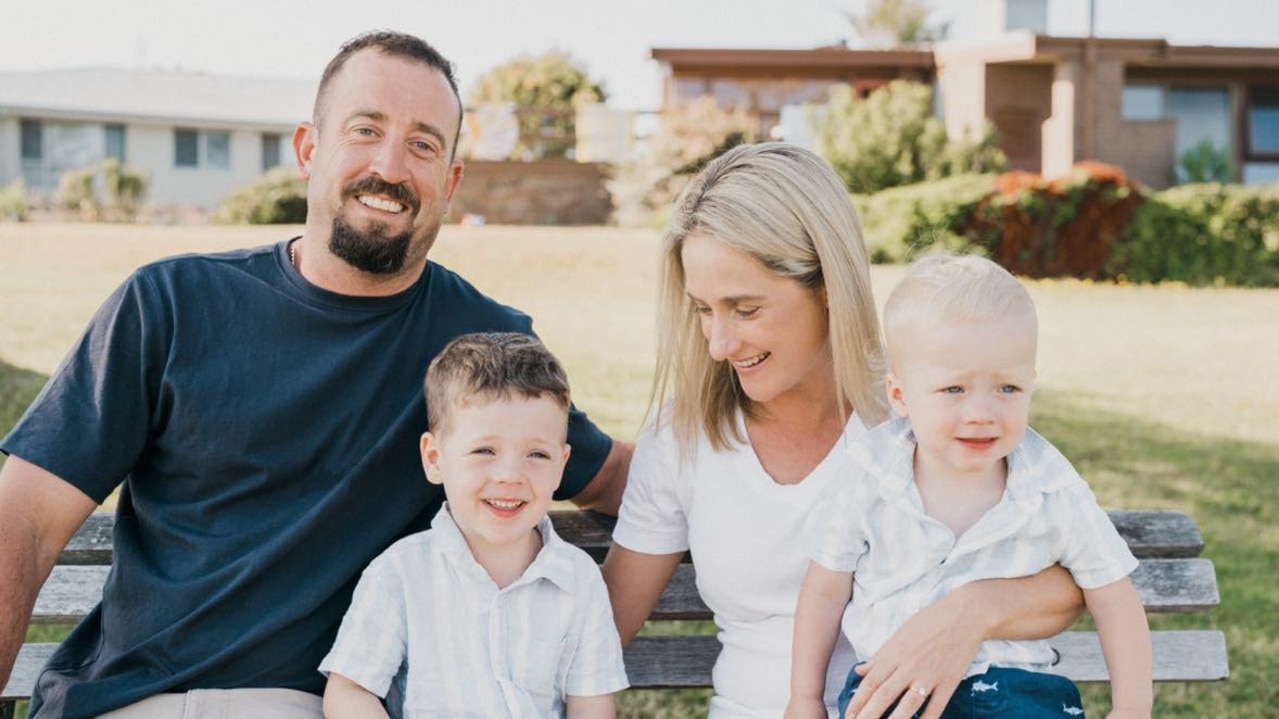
769 363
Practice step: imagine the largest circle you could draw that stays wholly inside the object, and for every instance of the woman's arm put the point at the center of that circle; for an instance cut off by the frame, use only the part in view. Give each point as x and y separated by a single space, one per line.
635 582
933 650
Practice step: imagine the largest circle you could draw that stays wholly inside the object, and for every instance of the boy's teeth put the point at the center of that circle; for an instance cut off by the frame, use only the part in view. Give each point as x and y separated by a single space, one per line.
378 203
505 504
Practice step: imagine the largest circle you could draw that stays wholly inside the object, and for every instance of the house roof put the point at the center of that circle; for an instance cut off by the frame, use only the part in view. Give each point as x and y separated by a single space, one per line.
825 59
156 95
1023 46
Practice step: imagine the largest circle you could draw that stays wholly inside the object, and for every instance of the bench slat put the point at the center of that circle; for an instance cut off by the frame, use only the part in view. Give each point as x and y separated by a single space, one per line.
664 662
685 661
1165 586
1166 534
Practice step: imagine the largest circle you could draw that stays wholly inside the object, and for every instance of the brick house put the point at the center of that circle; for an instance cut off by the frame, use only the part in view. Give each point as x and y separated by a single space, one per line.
1135 103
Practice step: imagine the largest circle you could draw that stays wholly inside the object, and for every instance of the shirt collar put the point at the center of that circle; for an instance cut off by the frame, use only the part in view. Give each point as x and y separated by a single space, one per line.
887 455
554 561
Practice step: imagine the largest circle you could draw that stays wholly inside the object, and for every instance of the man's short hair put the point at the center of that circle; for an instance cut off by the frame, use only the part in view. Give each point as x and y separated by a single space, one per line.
488 366
391 43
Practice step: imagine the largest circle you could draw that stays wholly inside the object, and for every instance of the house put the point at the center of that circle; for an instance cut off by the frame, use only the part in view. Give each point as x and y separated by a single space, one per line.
1136 103
196 136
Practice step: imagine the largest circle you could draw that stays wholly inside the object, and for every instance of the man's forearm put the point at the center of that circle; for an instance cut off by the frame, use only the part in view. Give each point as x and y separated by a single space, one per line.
18 591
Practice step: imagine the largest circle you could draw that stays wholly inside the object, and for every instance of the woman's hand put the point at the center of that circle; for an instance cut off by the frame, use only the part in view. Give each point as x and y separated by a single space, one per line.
806 709
932 651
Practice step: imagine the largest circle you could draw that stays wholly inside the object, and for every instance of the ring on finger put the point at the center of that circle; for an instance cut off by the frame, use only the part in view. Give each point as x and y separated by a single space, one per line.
921 691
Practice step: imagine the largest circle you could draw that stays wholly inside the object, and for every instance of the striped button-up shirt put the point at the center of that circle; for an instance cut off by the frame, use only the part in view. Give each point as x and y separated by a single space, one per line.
873 524
429 630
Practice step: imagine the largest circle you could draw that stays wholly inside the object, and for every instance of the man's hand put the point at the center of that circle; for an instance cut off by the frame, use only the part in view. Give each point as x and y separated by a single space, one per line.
604 492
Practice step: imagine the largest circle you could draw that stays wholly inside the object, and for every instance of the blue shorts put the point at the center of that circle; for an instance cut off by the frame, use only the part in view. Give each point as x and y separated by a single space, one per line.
1000 693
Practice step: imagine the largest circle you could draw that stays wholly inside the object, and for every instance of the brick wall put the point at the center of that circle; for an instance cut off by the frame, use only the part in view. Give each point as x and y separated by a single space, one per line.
546 192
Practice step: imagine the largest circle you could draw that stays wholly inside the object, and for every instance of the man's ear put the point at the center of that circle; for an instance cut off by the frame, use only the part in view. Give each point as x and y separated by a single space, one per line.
456 173
430 447
305 136
896 397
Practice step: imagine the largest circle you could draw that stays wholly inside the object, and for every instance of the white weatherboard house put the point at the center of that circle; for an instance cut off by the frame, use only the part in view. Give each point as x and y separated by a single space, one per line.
197 136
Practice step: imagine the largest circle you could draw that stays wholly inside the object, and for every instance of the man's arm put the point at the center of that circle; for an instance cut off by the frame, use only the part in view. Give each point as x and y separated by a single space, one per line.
39 512
932 650
604 492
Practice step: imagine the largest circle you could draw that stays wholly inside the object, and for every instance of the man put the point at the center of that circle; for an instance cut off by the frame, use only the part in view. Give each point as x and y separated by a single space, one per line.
258 407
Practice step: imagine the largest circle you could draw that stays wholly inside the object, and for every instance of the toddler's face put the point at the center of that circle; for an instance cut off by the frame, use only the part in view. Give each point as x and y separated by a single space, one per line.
499 462
966 388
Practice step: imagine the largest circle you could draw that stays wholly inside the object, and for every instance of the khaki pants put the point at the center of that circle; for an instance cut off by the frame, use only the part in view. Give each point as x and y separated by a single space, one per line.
224 704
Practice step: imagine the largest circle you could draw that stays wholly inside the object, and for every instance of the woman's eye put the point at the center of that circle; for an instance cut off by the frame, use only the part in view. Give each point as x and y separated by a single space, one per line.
747 312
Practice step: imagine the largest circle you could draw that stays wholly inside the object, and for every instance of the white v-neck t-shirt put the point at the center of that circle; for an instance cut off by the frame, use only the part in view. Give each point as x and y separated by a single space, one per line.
747 535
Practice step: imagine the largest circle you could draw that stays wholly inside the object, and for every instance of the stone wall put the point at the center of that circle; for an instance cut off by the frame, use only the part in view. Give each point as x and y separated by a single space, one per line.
546 192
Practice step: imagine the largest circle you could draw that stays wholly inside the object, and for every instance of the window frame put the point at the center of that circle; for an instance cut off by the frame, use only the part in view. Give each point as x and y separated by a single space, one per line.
1249 153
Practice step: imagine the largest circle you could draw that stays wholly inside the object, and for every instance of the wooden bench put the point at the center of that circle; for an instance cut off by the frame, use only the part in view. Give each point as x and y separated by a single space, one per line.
1171 578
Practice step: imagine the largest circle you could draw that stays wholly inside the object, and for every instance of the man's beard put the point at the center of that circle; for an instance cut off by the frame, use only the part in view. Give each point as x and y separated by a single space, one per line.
374 251
371 251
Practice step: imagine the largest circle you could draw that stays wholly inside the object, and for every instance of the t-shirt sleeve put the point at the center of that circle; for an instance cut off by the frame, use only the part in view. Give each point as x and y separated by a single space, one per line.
1095 554
371 643
590 448
93 418
653 517
596 667
836 533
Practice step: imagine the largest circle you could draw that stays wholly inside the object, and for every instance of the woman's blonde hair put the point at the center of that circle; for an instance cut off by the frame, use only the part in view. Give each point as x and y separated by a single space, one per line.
784 206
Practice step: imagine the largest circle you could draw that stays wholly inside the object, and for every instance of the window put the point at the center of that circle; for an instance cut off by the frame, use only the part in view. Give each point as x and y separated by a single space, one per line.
1142 102
114 141
186 148
270 150
1263 123
201 148
218 150
32 139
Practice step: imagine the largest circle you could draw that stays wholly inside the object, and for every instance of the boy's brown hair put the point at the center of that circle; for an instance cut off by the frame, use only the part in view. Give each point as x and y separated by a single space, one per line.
487 366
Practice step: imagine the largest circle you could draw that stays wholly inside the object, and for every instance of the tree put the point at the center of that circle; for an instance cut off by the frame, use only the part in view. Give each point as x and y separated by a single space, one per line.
896 23
892 138
547 90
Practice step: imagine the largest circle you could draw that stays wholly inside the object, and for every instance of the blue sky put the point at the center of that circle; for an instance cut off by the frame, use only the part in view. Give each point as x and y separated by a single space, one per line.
294 38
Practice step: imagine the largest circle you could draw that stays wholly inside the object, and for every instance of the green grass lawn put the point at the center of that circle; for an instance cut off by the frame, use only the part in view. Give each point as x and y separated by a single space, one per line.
1162 396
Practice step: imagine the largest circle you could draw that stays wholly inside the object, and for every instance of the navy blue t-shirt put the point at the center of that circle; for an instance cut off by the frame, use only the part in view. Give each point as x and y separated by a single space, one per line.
266 432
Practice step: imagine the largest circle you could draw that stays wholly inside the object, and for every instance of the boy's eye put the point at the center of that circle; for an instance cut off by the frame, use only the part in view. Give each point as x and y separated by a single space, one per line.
1009 389
953 389
539 454
482 450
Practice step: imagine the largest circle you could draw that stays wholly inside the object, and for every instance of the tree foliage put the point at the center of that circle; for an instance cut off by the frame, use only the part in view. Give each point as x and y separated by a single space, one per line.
896 23
892 138
547 89
688 136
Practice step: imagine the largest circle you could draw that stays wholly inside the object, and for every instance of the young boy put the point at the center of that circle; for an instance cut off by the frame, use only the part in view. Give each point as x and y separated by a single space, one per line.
960 489
489 613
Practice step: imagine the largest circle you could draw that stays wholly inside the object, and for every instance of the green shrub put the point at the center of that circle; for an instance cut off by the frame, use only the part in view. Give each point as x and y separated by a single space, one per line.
903 222
106 190
1204 162
277 197
892 138
13 201
1202 234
